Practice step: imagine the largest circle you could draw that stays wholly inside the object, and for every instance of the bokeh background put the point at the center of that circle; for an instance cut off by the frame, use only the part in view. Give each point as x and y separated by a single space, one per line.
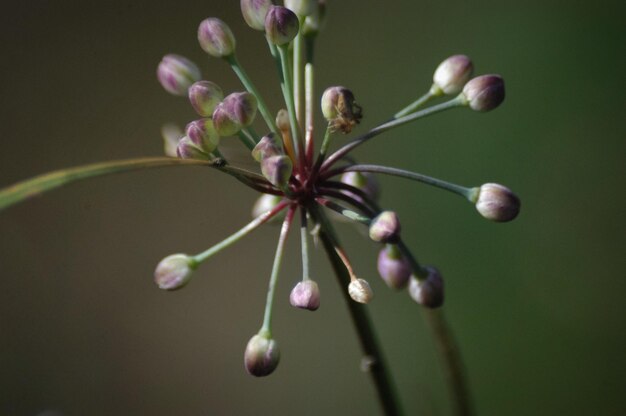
536 304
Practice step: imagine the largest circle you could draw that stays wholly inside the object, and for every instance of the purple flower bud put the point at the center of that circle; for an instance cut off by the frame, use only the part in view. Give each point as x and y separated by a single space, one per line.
262 356
340 109
176 74
216 38
204 97
301 7
393 267
452 74
203 134
365 181
171 134
174 272
235 112
385 228
360 291
277 170
266 147
186 149
305 295
281 25
427 292
484 93
254 12
497 203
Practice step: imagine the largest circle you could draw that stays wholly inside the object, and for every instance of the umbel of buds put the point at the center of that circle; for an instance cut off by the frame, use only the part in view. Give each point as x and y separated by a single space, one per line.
429 291
216 38
254 12
393 267
262 355
176 74
235 112
484 93
305 295
204 96
281 25
360 291
174 272
340 109
451 75
497 203
385 228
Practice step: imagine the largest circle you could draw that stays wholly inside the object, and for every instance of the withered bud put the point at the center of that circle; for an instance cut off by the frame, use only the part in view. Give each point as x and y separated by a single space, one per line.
393 267
305 295
174 272
266 147
340 109
360 291
452 74
429 291
385 228
204 96
484 93
216 38
262 356
281 25
203 134
277 170
254 12
497 202
176 74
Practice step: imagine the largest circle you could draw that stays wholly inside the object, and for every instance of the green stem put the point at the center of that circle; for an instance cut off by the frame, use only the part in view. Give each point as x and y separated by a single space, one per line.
247 82
348 213
309 104
304 237
455 102
247 139
415 105
372 353
254 224
284 231
288 94
298 74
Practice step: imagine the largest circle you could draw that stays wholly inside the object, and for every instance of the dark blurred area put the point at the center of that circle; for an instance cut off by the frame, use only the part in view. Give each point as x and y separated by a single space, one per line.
536 304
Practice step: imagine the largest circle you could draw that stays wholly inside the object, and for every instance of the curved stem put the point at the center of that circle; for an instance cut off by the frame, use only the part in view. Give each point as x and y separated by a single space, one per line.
372 353
415 105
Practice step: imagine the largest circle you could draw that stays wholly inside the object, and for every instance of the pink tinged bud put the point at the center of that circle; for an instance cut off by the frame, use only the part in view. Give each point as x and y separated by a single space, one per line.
301 7
254 12
305 295
484 93
497 203
364 181
452 74
171 135
176 74
427 292
277 170
235 112
281 25
204 97
266 147
262 356
187 149
340 109
393 267
360 291
216 38
174 272
385 228
203 134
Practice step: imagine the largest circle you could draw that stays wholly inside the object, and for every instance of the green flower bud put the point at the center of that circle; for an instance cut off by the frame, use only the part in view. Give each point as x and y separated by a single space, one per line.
360 291
281 25
203 134
254 12
216 38
187 149
484 93
340 109
266 147
176 74
235 112
385 228
427 292
497 203
301 7
451 75
262 356
277 170
305 295
174 272
204 97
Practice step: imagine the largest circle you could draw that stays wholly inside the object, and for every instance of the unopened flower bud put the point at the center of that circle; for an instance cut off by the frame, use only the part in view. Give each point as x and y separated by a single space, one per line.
393 267
314 22
484 93
301 7
267 202
277 170
497 202
360 291
427 292
187 149
452 74
364 181
340 109
174 272
282 120
216 38
281 25
262 356
305 295
171 134
205 96
176 74
254 12
266 147
235 112
203 134
385 228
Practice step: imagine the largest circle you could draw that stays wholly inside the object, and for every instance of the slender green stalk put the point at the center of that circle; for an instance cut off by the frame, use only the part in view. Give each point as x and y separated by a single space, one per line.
284 231
348 213
304 238
309 104
247 82
415 105
372 353
467 193
453 103
247 139
298 74
288 94
419 271
253 225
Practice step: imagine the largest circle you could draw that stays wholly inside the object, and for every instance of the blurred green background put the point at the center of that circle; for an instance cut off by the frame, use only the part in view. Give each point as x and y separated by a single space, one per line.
536 304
